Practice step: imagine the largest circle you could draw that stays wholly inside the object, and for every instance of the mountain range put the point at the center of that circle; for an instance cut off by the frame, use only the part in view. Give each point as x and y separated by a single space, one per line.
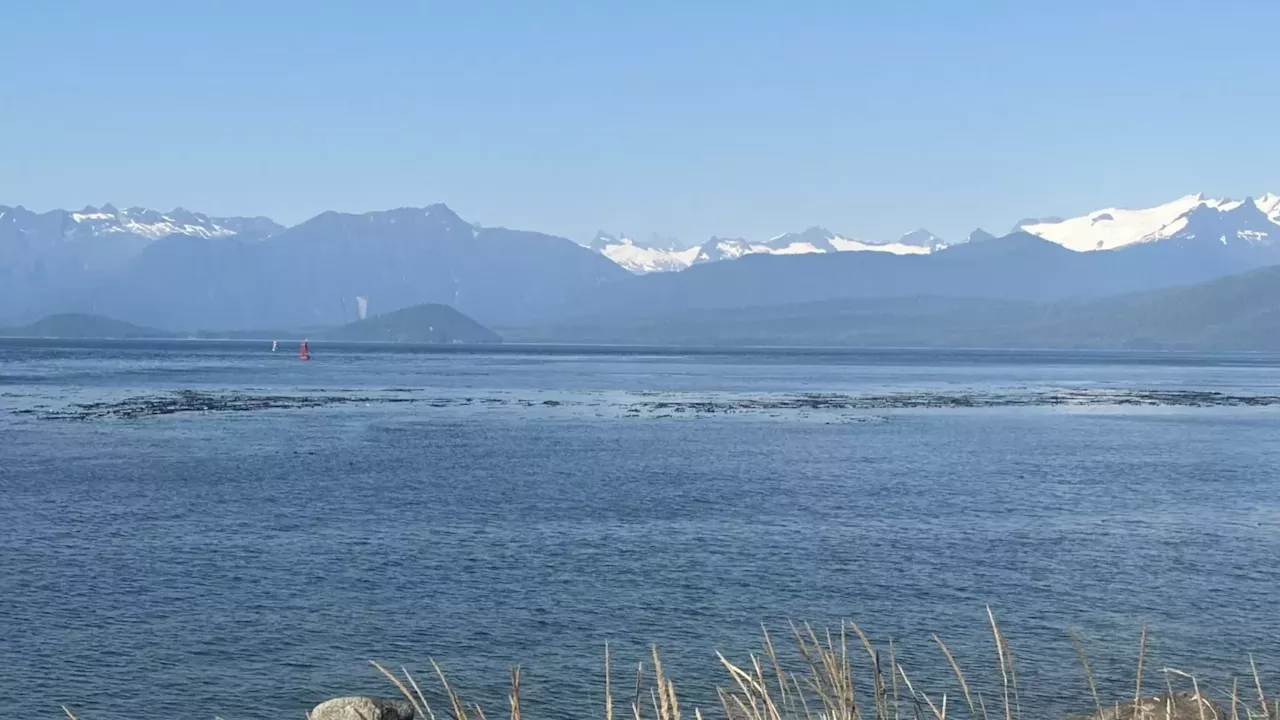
1239 312
1106 229
184 271
643 258
1019 266
328 270
48 257
1113 228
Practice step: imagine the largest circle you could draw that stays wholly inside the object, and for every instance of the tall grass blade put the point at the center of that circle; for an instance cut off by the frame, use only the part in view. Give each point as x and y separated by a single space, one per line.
421 698
1257 682
514 697
459 710
964 685
1142 659
420 709
1088 673
1004 670
893 664
608 686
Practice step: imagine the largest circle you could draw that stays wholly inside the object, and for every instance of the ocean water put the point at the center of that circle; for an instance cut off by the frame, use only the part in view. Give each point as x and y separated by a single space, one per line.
190 529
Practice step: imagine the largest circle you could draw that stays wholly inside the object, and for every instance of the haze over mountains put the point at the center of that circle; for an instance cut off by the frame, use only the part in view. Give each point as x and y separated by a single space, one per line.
47 258
320 272
425 324
1238 312
184 271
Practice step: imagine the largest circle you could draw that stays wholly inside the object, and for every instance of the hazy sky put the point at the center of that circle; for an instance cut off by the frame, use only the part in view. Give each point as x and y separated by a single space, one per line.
686 118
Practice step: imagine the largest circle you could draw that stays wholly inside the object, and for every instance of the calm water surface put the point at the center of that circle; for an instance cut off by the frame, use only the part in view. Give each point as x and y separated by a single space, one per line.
249 564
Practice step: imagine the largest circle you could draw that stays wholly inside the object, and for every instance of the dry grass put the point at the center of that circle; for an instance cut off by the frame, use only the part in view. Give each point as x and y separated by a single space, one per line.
827 683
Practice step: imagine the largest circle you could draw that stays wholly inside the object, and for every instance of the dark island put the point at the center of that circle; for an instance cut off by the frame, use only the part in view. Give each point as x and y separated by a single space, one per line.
82 326
430 323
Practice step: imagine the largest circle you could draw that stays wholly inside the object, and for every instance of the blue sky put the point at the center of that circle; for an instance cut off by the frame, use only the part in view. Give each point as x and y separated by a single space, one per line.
684 118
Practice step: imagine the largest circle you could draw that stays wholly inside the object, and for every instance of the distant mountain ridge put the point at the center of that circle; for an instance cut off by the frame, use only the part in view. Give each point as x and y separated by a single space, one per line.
1234 313
324 270
1190 240
424 324
48 257
1239 312
181 270
1106 229
1020 266
63 225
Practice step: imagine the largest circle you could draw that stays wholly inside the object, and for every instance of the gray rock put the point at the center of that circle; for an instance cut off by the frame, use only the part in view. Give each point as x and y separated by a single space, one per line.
1179 706
362 708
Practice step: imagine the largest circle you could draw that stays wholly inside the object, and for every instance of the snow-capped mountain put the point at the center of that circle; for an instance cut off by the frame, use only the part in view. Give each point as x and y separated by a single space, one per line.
1234 224
717 249
47 258
1269 204
328 270
154 225
1250 220
1112 228
42 229
922 239
812 240
821 240
643 258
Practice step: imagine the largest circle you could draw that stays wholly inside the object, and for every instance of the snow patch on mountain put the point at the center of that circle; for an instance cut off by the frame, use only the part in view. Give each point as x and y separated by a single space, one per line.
819 240
151 224
797 248
717 249
1112 228
896 248
1242 223
640 258
1254 221
127 230
643 258
812 240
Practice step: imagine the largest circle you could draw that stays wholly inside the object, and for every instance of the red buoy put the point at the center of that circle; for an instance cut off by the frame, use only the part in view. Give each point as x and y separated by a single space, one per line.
303 354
